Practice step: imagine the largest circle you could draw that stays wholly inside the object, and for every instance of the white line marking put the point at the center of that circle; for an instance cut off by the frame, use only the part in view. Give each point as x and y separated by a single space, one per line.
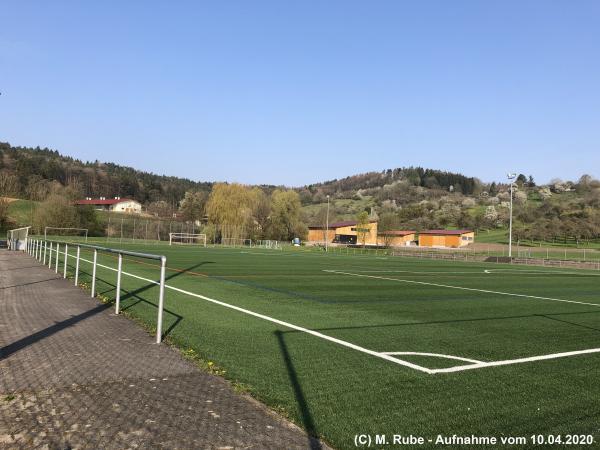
385 356
438 272
479 272
462 288
281 322
436 355
582 273
507 362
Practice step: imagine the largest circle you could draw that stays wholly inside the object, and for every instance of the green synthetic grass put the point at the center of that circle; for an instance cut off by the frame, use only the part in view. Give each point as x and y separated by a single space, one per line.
336 392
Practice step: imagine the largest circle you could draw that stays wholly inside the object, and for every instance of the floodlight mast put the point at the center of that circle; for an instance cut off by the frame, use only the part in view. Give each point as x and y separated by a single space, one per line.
327 227
511 177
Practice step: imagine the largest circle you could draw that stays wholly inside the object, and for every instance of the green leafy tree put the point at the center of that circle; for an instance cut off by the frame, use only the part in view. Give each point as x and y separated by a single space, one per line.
56 211
362 226
388 221
286 220
229 208
192 206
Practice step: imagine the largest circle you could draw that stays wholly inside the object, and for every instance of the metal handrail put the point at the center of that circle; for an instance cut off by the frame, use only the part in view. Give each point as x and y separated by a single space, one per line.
38 248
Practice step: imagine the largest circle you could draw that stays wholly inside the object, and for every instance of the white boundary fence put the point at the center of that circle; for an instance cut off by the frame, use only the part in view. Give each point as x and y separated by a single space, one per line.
85 230
40 248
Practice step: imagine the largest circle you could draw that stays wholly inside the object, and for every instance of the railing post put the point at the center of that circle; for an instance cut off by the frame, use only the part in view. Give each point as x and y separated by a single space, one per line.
57 254
161 299
77 265
50 256
45 250
66 256
38 252
118 295
94 273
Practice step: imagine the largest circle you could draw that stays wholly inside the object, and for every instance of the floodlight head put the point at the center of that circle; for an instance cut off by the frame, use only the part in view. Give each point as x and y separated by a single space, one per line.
510 176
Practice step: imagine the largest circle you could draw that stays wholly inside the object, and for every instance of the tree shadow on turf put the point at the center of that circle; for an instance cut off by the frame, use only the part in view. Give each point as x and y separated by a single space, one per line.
475 319
570 323
307 418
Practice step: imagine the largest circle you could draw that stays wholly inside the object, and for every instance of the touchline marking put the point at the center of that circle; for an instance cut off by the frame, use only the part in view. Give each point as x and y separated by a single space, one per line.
507 362
462 288
388 356
429 272
436 355
279 322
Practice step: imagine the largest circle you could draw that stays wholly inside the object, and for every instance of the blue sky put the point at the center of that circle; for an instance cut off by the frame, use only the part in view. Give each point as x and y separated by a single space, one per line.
299 92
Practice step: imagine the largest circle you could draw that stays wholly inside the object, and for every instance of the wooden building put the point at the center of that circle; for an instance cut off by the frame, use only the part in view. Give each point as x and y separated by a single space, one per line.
346 232
396 238
446 238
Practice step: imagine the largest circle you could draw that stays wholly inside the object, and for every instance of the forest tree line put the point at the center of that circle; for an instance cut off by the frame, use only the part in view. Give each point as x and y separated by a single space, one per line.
403 198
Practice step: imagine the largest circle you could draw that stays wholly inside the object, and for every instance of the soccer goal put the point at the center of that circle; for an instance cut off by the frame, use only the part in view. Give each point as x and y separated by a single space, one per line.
268 243
187 239
58 232
235 242
16 239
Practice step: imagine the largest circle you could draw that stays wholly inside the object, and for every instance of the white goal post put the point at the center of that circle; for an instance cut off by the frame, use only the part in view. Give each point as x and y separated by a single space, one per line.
236 242
268 243
16 239
187 239
65 231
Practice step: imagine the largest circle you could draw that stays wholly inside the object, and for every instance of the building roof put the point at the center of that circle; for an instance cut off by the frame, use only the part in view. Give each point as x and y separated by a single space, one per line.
345 223
446 232
396 233
103 201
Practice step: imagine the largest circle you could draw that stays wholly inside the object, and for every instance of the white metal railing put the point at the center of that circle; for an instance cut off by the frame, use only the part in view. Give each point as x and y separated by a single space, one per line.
18 238
40 248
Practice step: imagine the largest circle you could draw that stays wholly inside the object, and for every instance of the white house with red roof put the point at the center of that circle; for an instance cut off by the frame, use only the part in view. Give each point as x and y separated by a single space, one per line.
117 204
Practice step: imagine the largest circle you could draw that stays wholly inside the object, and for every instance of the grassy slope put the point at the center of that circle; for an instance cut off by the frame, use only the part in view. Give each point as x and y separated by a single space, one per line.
340 209
20 211
337 392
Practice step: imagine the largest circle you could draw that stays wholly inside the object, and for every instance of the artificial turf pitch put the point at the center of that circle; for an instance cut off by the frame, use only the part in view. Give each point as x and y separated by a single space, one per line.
475 311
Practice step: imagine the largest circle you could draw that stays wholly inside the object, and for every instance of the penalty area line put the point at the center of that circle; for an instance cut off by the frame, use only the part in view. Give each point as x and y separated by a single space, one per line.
508 362
486 291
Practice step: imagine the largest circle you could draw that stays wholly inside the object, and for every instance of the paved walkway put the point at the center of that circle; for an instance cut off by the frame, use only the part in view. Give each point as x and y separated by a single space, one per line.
74 375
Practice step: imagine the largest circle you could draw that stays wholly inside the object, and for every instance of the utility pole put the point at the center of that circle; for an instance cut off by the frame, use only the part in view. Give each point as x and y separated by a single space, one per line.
511 177
327 227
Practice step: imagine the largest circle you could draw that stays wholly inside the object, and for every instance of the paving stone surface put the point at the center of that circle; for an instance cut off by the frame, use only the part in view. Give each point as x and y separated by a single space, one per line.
74 375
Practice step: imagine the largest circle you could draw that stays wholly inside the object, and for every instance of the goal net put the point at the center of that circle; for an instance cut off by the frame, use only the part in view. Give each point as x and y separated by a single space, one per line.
66 232
187 239
236 242
16 238
268 243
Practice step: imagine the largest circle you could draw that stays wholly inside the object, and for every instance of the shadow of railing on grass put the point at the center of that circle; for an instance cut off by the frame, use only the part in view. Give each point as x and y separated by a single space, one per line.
307 418
135 294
